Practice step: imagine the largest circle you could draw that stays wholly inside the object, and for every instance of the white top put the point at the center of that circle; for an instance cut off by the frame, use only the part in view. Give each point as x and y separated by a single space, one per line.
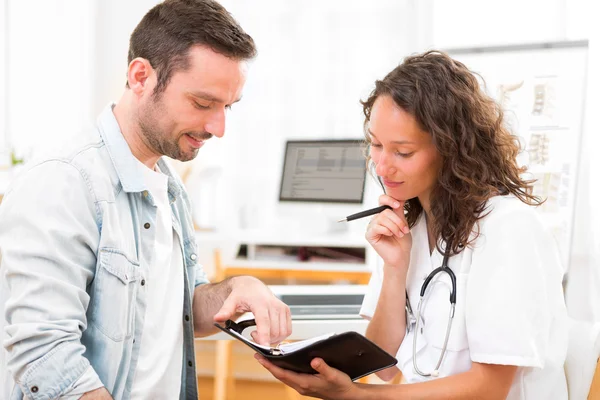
509 303
158 372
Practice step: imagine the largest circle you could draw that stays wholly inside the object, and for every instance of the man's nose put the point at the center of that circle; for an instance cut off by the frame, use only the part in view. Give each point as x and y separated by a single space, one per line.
216 123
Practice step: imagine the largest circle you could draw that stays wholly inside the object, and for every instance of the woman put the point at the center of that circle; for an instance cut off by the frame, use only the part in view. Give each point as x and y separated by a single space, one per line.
448 164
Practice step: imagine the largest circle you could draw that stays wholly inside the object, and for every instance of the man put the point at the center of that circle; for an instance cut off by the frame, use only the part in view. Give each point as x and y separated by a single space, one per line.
100 291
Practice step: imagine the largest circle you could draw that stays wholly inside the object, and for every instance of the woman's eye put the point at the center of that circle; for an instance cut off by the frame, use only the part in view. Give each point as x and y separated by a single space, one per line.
376 145
403 154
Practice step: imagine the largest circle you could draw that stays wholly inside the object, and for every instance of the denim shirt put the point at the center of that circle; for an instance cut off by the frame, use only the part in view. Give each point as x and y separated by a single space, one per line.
73 229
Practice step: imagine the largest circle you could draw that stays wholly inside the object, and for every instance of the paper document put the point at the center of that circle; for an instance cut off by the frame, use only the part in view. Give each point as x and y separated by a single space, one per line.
287 347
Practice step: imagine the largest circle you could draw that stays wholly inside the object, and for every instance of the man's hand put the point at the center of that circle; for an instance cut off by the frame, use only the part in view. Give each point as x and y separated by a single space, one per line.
98 394
273 318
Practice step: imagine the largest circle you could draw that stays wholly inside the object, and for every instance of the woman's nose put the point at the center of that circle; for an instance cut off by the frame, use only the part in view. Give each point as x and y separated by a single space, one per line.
383 166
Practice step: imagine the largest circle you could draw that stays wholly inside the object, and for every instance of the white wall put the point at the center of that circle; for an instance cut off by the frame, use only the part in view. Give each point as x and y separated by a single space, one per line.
50 71
583 296
4 152
316 61
114 21
465 23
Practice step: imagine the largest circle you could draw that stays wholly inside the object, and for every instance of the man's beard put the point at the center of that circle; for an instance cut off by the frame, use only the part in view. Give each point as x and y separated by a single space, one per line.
159 140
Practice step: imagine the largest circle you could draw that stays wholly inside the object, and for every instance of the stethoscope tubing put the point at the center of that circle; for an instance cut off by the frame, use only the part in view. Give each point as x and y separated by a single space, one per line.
418 317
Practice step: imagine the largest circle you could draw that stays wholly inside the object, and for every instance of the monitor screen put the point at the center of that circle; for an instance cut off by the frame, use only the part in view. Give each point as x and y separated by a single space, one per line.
331 171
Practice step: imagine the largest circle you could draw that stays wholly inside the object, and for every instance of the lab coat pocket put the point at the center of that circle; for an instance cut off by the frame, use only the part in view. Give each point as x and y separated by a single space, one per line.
113 294
437 314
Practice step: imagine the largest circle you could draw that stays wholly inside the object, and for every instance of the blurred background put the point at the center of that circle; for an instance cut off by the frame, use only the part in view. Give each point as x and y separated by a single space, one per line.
62 61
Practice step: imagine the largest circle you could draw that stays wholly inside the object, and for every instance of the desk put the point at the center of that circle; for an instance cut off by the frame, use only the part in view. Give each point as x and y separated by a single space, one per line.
326 272
218 253
301 329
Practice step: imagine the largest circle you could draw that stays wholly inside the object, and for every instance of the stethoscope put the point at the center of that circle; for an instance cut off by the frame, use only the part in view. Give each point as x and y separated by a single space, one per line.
416 319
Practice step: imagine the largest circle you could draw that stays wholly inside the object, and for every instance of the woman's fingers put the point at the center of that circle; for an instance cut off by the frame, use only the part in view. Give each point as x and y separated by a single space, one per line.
390 220
393 225
378 230
385 200
397 211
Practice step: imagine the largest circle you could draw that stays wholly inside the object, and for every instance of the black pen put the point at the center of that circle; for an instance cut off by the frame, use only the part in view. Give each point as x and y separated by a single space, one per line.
365 213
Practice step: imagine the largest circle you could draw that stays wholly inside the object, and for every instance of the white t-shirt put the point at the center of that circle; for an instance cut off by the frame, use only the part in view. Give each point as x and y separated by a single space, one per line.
510 307
158 372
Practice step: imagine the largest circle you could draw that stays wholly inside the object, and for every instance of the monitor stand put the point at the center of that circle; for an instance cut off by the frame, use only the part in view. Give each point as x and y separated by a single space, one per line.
315 219
314 224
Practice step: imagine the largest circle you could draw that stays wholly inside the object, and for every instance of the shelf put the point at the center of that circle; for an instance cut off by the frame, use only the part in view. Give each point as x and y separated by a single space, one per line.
298 265
308 239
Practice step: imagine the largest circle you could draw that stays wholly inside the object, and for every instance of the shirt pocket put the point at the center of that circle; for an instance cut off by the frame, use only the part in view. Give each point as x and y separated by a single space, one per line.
437 314
114 294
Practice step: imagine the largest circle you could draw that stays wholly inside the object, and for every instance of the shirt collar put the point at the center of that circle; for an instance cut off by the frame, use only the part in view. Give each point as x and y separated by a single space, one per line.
128 168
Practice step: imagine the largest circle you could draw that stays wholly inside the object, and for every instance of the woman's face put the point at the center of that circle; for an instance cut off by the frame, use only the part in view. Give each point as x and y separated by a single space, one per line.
405 156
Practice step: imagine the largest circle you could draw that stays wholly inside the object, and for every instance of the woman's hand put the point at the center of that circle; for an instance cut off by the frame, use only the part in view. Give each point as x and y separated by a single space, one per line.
329 383
389 234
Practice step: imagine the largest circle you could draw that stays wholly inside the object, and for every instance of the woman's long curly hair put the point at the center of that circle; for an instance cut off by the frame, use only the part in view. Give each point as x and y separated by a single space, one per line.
468 129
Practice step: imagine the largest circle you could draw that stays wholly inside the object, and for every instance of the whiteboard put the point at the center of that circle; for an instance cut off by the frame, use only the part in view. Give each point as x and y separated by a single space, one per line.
541 88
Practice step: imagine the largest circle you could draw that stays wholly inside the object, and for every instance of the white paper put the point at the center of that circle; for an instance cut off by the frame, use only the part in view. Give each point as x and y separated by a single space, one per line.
286 347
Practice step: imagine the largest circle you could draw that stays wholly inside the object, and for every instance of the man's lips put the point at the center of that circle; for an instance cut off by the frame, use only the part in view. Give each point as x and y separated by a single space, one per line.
195 143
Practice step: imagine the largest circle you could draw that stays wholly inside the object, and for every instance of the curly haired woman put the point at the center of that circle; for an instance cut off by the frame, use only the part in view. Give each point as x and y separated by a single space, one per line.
469 293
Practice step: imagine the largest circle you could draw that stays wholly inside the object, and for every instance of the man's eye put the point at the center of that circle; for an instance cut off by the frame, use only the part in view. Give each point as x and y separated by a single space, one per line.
200 106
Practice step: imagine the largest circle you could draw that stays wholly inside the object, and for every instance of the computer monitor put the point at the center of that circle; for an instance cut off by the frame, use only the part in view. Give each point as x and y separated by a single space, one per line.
323 171
321 182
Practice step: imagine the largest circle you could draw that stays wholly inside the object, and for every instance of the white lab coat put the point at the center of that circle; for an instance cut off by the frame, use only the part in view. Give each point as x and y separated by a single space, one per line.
509 303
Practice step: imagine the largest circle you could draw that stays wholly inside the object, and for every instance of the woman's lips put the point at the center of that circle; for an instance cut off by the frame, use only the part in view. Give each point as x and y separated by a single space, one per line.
391 184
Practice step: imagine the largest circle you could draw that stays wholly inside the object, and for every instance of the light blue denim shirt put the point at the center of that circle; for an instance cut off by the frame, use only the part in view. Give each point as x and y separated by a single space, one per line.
73 229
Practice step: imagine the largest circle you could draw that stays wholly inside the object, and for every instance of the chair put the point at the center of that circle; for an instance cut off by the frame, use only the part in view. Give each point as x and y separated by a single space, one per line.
582 367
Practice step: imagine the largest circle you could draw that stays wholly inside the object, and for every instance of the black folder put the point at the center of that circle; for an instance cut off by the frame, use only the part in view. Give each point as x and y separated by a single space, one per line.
350 352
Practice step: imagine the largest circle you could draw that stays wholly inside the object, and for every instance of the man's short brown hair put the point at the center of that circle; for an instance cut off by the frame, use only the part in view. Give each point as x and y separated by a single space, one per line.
166 33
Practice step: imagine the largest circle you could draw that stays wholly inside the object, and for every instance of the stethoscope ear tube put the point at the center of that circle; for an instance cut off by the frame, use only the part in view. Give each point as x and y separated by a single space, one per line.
453 292
443 268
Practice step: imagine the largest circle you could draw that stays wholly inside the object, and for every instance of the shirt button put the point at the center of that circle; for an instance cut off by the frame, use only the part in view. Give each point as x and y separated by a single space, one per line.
147 225
143 282
145 193
34 389
187 317
193 257
190 363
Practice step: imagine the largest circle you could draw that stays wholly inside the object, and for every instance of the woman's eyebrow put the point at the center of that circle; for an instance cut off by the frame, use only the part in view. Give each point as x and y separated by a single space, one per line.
395 141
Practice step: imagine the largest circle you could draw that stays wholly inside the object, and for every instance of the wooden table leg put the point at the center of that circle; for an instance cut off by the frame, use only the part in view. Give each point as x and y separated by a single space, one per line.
222 369
292 394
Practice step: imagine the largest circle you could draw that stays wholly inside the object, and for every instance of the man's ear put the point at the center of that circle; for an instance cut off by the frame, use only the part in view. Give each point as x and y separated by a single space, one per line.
139 75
